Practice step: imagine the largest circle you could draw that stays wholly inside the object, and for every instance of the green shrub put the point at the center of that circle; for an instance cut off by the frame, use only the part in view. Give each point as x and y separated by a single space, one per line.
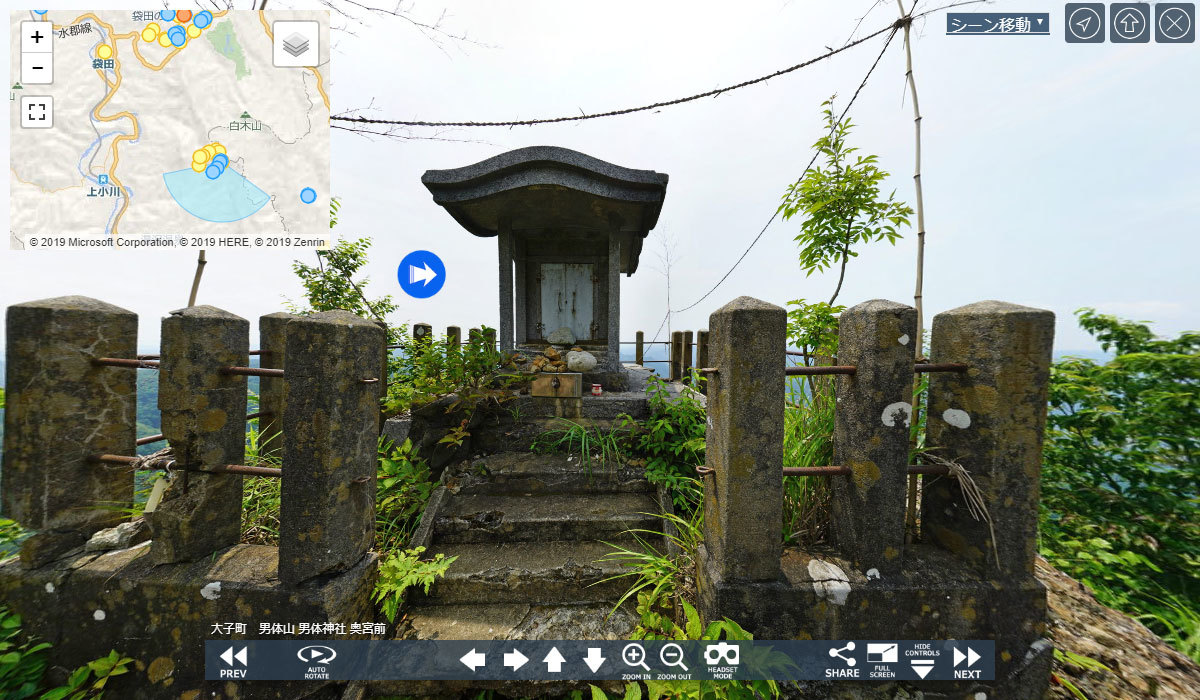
23 666
671 440
402 570
1120 496
403 491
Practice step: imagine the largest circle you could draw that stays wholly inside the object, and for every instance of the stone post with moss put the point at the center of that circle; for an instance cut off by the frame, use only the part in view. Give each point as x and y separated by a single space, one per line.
327 509
62 409
271 340
871 433
990 419
685 369
204 420
743 495
676 356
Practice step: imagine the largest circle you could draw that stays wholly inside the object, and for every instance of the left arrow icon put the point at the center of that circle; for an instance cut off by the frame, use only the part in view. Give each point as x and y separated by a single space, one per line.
474 660
515 659
229 655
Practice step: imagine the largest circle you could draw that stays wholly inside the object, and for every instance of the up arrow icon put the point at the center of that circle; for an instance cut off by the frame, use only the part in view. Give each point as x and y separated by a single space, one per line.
594 659
554 660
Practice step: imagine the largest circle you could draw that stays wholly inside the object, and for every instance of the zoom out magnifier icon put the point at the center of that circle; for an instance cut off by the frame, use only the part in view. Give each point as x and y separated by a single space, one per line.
672 655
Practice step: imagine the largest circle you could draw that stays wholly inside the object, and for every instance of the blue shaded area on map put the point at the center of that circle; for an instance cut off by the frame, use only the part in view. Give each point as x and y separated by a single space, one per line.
230 197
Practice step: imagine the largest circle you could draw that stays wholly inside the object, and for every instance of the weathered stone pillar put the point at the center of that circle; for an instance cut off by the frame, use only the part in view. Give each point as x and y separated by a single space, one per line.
505 248
385 361
422 334
743 497
639 350
676 356
702 356
453 338
521 321
871 430
474 339
204 420
685 370
489 338
990 419
271 339
614 299
327 510
62 409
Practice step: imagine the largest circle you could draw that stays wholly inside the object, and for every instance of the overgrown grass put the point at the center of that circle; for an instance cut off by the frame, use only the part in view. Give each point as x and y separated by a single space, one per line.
654 571
595 447
807 442
403 488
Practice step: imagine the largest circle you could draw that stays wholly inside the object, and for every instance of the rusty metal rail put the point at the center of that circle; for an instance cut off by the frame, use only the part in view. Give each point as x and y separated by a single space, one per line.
804 371
155 364
253 371
150 439
125 362
169 464
838 470
159 357
819 370
940 367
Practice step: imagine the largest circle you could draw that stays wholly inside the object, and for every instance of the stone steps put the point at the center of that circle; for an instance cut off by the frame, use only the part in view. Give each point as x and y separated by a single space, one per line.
531 474
543 517
528 572
530 533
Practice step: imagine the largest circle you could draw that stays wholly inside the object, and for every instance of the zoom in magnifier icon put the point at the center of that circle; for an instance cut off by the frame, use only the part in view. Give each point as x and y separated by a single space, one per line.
634 655
672 655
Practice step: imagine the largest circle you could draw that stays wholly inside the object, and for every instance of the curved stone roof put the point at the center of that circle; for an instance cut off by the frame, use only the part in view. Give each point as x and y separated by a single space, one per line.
546 188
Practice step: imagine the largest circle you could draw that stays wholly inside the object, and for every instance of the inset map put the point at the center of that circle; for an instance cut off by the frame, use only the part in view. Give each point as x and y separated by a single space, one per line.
133 123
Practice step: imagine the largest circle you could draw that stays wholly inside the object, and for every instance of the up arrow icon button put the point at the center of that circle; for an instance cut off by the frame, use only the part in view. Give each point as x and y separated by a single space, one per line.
554 660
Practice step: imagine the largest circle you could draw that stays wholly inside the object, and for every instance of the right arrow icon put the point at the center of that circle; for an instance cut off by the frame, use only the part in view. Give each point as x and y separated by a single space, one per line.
970 657
515 659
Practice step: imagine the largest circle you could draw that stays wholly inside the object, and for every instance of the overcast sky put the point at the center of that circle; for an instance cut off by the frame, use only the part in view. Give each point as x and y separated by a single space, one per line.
1056 175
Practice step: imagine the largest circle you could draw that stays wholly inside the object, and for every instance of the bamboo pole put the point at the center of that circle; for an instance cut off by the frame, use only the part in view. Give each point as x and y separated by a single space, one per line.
918 298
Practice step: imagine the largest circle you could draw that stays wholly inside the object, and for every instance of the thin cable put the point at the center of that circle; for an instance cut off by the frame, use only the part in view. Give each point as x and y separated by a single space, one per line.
660 327
898 24
630 110
854 97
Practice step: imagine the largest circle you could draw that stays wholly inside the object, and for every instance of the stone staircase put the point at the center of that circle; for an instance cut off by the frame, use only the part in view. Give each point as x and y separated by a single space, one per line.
529 533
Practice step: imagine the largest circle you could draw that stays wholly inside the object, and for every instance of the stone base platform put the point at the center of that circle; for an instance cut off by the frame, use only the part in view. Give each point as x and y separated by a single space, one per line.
935 597
88 604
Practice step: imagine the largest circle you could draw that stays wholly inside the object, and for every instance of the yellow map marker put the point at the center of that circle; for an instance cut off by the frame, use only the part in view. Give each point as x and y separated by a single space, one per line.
150 33
219 147
104 51
198 167
193 31
163 41
200 156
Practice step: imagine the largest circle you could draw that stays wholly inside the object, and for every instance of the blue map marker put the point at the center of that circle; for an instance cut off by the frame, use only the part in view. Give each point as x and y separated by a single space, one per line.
421 274
308 195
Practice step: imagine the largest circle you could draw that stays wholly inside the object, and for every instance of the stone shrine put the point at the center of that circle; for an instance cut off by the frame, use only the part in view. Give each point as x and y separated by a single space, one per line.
567 226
